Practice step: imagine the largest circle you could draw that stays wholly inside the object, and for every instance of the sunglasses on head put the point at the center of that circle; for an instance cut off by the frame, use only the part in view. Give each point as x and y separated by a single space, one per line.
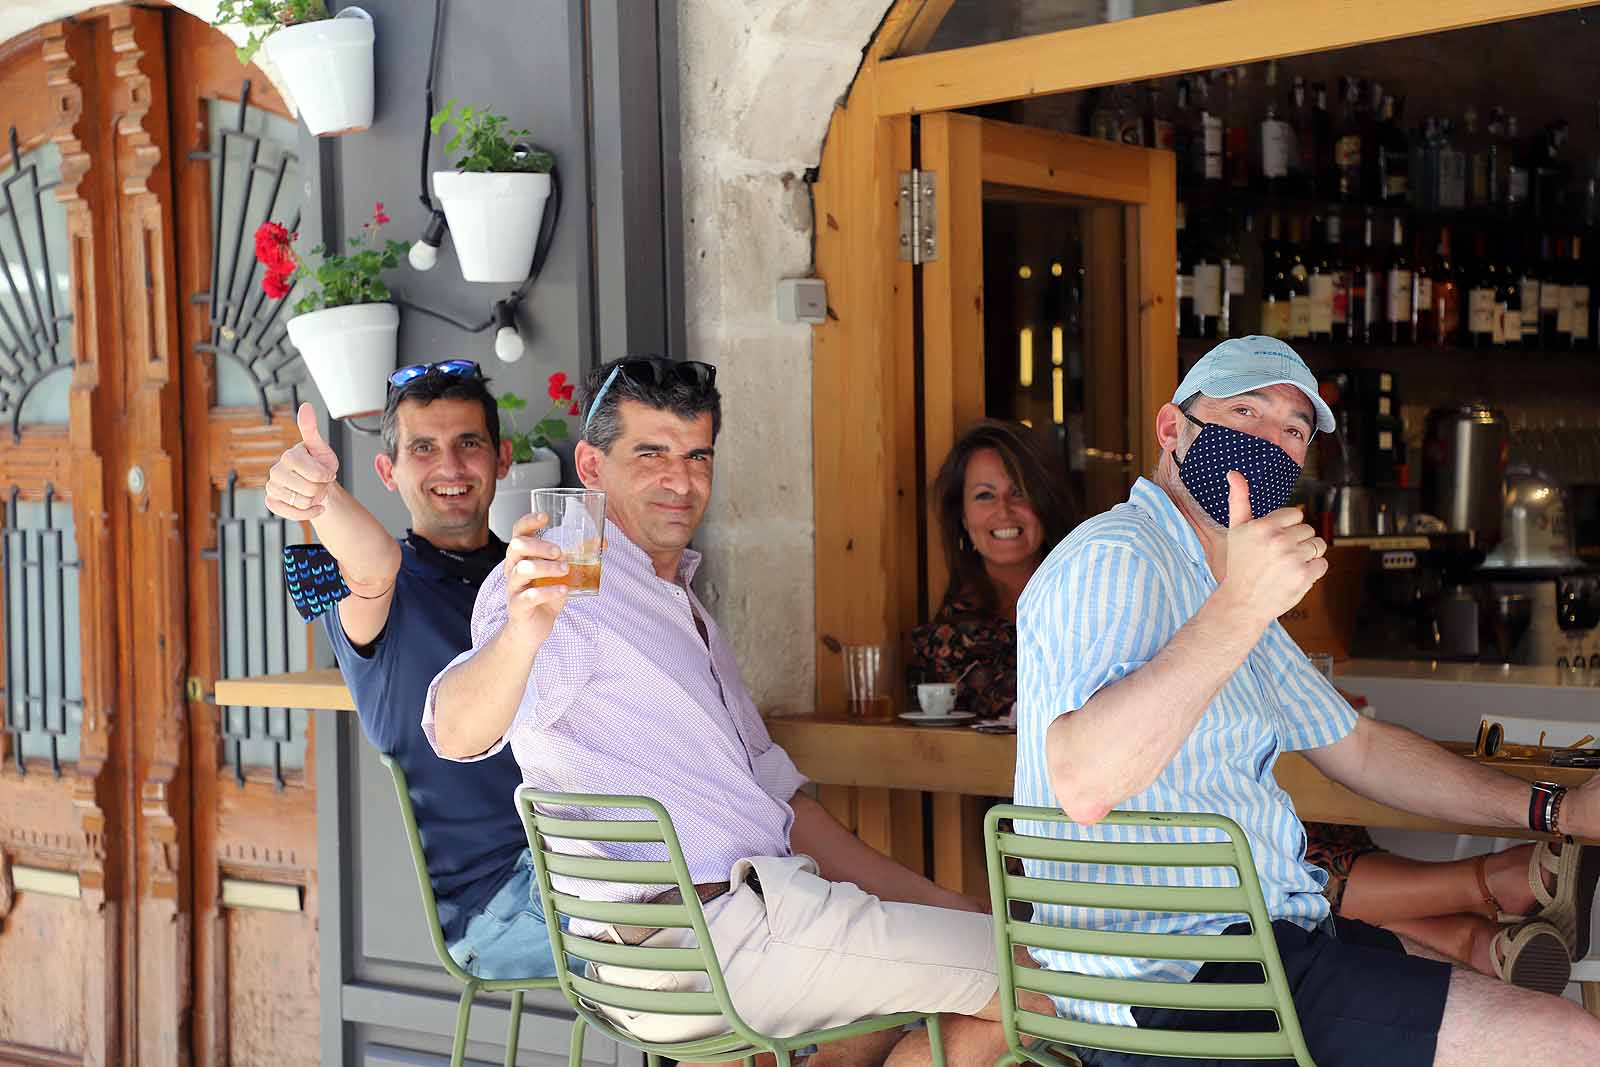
457 368
655 371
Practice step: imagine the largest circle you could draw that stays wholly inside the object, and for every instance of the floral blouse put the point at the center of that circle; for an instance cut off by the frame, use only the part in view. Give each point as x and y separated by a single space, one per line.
972 648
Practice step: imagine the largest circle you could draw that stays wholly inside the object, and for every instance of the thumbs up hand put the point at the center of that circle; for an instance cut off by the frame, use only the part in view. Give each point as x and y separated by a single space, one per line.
298 484
1273 561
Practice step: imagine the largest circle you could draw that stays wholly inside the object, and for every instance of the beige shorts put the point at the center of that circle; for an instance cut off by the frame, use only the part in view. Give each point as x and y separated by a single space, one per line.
806 953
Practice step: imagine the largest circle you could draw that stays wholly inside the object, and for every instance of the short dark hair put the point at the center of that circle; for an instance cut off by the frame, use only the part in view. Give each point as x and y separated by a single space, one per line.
1037 471
681 397
436 386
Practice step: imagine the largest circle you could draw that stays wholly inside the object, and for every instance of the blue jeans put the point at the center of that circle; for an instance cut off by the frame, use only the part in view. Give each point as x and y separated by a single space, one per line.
509 937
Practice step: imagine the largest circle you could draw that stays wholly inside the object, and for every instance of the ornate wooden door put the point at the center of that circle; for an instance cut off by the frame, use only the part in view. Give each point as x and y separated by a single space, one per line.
157 853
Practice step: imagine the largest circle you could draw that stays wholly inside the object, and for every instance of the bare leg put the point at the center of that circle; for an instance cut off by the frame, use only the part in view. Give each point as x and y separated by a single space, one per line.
1462 939
1487 1022
1384 888
968 1042
868 1050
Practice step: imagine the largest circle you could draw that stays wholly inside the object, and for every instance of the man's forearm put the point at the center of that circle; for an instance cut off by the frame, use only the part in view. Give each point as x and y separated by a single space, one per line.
1125 735
843 857
367 553
1404 770
477 699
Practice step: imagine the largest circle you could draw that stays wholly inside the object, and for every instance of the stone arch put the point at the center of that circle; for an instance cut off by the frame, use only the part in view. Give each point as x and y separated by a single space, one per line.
758 81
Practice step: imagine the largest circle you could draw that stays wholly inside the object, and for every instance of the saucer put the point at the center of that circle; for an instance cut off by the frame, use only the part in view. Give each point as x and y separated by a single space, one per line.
922 718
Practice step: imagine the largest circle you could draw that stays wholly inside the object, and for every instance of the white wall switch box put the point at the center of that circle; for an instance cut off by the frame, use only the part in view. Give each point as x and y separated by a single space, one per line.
802 300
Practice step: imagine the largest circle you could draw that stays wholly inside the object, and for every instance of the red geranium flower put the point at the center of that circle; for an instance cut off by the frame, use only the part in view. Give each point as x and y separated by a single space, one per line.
273 248
276 286
558 382
573 410
378 215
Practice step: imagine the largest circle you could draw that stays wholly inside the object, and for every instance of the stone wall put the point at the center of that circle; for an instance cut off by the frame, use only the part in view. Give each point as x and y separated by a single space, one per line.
758 80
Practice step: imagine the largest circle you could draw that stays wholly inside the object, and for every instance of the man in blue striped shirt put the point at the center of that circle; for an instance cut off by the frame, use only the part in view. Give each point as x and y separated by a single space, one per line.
1153 675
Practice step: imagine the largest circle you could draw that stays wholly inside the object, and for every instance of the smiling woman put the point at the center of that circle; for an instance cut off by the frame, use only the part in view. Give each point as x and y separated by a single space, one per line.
1001 507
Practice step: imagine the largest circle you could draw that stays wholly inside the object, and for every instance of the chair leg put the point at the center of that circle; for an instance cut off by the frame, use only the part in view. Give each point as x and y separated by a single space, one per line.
652 1060
782 1056
458 1051
513 1031
935 1041
749 1061
575 1057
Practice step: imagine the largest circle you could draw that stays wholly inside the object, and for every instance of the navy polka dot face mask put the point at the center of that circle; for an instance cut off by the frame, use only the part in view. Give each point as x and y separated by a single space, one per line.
1219 449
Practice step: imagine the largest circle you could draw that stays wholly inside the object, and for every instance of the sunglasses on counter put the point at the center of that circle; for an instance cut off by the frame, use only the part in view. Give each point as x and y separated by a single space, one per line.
457 368
656 371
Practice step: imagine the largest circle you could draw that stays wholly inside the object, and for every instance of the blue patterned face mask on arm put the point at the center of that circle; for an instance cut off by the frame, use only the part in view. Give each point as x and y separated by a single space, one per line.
1218 449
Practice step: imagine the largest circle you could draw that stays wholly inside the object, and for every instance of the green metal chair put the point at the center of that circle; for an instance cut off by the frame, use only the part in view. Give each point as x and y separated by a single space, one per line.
472 984
1257 946
586 995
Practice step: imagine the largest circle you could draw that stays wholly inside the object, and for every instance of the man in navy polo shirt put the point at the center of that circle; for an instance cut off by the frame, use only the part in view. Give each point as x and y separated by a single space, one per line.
407 616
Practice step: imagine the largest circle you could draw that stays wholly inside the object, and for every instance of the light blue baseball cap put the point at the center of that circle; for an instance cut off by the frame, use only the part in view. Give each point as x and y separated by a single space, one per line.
1241 364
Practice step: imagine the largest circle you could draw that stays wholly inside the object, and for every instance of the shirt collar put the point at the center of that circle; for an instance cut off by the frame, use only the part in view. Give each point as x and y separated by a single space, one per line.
1154 499
632 555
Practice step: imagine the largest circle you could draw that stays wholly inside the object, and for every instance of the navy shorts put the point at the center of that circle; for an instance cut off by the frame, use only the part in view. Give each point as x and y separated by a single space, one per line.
1361 1001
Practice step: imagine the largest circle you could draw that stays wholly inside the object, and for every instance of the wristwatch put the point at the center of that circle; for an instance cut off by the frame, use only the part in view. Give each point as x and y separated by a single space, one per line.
1544 807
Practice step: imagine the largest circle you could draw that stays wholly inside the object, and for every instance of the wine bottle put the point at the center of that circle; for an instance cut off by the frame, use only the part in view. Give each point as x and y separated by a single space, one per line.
1397 294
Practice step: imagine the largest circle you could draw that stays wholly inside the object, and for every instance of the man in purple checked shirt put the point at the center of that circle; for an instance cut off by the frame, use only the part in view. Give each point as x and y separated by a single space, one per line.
636 691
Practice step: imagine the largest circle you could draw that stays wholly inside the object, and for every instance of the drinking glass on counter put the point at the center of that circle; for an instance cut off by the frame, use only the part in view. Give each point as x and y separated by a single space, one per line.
867 671
577 526
1323 662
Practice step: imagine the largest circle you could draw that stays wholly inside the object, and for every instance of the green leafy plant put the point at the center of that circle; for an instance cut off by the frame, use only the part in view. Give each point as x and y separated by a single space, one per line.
486 145
351 278
553 427
268 16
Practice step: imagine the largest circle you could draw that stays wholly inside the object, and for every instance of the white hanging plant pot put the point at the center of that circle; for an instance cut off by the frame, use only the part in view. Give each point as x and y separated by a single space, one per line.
349 352
512 498
327 66
494 221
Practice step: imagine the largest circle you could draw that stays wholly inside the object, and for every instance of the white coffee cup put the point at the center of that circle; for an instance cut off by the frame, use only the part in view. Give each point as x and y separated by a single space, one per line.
937 698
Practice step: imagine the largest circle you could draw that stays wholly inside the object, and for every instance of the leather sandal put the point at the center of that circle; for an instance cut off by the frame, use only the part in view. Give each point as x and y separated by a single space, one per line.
1570 906
1532 956
1491 903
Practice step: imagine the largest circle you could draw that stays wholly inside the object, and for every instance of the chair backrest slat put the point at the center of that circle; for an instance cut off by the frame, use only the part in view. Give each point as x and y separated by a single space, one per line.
1130 991
643 957
675 916
1141 854
1192 1044
600 869
1225 849
1119 896
1227 948
600 829
652 1000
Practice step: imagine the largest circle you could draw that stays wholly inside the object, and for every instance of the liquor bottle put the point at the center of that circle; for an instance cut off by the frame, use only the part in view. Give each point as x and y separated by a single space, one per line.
1320 283
1519 170
1422 310
1347 145
1236 274
1185 135
1425 166
1236 135
1130 120
1482 296
1210 139
1510 304
1552 173
1569 295
1499 151
1279 155
1276 294
1207 283
1371 123
1366 287
1591 178
1319 164
1397 288
1303 133
1581 330
1446 295
1552 254
1452 195
1185 287
1394 162
1339 270
1528 295
1299 273
1475 143
1158 123
1103 115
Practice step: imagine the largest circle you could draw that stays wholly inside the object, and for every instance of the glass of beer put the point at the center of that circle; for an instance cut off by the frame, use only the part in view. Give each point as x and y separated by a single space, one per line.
578 526
867 670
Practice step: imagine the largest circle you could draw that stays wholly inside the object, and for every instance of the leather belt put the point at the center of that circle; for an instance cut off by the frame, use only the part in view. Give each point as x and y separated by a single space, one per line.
707 892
